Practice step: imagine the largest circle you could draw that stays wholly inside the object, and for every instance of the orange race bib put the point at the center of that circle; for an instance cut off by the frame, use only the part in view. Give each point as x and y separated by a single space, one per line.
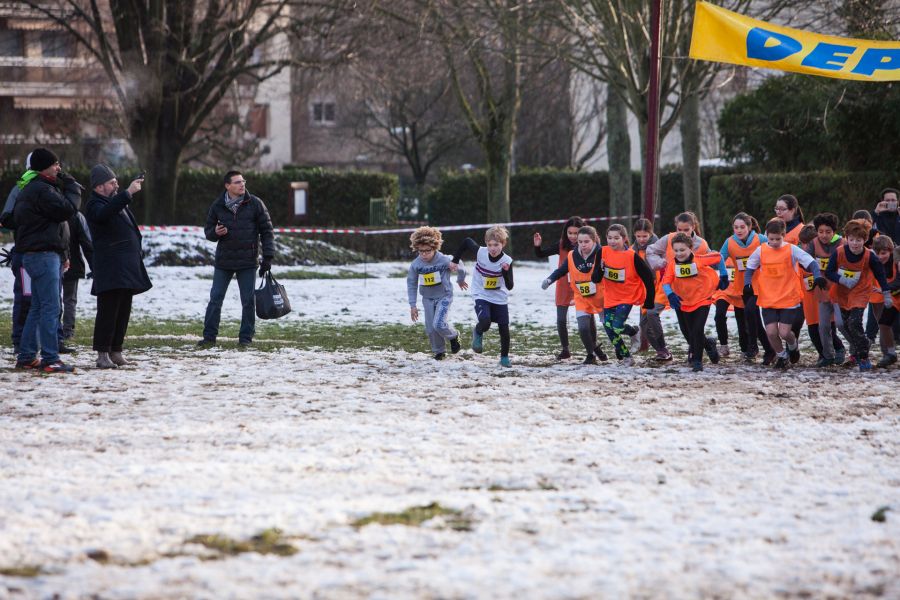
775 271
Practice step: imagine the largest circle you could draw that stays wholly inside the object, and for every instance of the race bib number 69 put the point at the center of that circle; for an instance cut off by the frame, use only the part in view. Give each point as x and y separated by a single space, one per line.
614 275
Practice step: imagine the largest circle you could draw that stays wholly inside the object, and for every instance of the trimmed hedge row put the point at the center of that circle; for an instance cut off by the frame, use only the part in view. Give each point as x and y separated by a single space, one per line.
537 195
841 194
336 199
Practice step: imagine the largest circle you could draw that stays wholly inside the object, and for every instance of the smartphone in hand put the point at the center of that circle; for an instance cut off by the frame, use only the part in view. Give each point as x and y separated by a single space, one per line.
140 175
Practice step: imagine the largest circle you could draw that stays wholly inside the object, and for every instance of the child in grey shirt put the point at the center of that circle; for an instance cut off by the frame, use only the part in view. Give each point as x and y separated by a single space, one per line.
430 274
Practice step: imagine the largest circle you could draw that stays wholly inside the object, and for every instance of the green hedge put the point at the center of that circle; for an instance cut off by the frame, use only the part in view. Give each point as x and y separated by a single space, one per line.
336 199
538 195
839 193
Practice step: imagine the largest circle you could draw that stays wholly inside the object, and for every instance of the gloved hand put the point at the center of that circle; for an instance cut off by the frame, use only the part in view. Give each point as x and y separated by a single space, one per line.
820 283
5 257
674 300
723 282
888 300
848 283
748 290
546 283
266 266
66 179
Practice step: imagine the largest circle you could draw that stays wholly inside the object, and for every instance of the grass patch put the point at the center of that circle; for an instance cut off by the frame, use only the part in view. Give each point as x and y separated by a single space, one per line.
879 515
267 542
23 571
415 516
304 274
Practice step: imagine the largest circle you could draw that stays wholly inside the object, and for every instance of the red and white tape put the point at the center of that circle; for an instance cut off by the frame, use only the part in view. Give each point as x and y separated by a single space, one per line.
402 230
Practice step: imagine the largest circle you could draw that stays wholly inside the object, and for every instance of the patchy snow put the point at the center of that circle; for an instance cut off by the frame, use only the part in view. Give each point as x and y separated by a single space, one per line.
738 482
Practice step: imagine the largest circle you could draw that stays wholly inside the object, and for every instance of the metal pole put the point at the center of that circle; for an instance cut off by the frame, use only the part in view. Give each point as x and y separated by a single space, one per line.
652 159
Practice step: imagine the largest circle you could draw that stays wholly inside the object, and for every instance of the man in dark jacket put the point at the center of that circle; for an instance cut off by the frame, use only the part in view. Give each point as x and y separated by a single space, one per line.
240 223
119 272
79 242
42 235
887 219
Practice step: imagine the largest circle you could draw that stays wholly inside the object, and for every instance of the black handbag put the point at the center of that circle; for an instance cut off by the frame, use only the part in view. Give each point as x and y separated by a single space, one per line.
271 300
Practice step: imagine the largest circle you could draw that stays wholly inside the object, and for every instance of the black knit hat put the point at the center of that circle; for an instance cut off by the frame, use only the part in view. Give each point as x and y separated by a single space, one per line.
100 175
42 159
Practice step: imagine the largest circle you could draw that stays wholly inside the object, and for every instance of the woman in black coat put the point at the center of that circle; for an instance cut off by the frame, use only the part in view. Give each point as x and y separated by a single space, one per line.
119 272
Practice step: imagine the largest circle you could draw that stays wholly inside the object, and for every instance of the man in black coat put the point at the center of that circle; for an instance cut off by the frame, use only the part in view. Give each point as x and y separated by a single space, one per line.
119 272
887 218
40 215
79 242
240 223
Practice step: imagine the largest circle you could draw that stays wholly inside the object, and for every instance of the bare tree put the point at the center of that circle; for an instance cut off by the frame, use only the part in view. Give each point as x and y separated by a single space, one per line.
170 63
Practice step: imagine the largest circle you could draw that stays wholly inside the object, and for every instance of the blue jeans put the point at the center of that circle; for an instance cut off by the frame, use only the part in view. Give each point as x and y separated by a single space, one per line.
43 318
246 279
17 265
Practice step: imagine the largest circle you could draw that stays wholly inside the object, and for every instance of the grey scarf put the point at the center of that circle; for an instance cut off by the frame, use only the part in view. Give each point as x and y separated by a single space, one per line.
233 204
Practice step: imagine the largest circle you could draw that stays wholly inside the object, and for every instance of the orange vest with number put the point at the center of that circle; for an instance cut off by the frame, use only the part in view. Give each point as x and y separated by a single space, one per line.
621 284
776 282
822 259
807 291
878 297
740 255
588 296
670 256
694 282
792 237
858 297
563 289
728 292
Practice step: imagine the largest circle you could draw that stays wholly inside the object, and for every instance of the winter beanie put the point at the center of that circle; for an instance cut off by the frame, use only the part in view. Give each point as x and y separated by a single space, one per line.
100 175
42 159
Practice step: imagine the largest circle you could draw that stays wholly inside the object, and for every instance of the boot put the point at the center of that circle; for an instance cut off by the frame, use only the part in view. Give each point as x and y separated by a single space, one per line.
118 359
103 361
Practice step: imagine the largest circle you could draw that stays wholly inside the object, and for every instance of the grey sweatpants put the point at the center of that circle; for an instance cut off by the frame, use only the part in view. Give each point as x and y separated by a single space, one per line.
70 301
437 324
651 327
826 311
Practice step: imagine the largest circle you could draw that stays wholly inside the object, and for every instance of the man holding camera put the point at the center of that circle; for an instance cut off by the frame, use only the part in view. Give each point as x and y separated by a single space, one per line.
887 219
239 222
41 212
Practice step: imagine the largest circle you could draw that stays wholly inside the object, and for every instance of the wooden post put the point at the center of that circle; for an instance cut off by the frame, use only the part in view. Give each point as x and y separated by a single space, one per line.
652 159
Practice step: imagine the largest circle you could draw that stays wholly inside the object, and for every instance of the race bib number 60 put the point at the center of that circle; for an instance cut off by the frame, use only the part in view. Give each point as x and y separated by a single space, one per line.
683 271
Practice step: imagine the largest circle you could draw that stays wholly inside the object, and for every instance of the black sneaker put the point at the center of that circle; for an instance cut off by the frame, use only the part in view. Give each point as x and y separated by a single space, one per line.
696 366
63 349
590 359
781 363
440 356
206 342
712 351
794 355
600 354
768 359
751 354
244 344
56 367
455 346
28 364
564 355
887 361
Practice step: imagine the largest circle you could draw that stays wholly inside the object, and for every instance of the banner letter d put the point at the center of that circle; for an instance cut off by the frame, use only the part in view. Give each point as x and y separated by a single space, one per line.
770 46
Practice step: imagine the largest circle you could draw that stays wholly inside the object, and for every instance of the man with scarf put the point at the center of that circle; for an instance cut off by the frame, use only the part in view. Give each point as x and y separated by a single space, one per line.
239 222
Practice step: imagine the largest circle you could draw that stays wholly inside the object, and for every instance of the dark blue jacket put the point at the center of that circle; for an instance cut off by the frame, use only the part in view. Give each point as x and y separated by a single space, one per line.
248 229
118 261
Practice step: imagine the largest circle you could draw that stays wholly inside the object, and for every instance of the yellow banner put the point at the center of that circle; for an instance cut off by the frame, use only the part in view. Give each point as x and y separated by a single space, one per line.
724 36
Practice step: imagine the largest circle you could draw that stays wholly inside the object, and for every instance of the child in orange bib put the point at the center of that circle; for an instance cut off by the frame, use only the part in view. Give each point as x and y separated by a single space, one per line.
689 283
856 270
772 274
883 247
627 282
810 304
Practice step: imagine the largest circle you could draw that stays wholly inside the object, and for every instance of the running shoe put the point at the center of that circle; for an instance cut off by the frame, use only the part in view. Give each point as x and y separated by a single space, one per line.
781 363
850 362
63 349
28 364
865 365
564 355
712 351
477 345
697 366
600 354
504 361
794 355
440 356
455 346
751 354
56 367
887 360
768 359
206 342
590 359
825 362
628 361
839 356
635 342
664 355
724 352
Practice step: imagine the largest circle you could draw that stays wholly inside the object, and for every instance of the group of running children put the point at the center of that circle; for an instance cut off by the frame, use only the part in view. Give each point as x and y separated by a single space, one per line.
793 272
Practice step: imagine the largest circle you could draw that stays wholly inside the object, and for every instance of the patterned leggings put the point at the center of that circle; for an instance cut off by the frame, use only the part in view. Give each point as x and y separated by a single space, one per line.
614 323
853 321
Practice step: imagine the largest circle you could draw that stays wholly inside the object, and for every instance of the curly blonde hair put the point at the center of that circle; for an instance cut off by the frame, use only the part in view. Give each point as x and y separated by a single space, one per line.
426 236
497 234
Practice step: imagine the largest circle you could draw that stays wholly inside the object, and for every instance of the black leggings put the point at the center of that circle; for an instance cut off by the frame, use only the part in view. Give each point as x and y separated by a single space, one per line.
722 324
485 324
755 328
853 322
693 327
587 331
799 320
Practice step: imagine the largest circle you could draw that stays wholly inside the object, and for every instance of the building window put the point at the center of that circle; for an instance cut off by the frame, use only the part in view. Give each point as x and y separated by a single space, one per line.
323 112
258 120
55 44
11 43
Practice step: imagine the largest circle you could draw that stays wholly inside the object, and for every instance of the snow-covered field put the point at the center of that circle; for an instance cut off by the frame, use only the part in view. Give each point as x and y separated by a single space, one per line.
580 482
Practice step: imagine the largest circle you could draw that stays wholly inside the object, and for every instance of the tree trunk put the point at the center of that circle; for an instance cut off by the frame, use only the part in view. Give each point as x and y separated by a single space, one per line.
618 149
498 165
690 155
